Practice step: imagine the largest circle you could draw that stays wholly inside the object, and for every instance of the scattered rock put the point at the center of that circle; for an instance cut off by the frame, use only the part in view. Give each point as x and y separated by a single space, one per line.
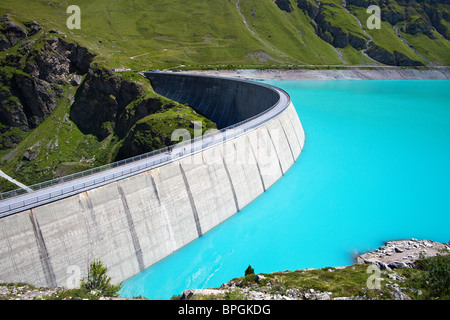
293 293
260 277
401 254
397 265
399 295
342 298
25 292
30 155
188 294
76 80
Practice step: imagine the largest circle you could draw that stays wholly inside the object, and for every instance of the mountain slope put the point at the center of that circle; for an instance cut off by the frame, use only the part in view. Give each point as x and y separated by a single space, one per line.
61 112
170 33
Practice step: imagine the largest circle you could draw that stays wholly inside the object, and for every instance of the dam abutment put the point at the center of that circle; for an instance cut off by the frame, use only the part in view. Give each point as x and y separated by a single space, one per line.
134 221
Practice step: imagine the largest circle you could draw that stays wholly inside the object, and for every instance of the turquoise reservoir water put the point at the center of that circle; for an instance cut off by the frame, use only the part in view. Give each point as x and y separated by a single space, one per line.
375 167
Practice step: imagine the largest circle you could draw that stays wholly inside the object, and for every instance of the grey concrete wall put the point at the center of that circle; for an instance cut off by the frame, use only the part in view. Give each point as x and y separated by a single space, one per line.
224 101
135 222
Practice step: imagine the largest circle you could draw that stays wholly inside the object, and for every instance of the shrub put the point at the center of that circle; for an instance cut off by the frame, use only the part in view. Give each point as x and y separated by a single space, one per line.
249 270
235 295
98 281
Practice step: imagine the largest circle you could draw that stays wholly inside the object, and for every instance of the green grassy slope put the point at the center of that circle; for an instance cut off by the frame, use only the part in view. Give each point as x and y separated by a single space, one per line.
291 33
58 143
161 33
385 37
158 34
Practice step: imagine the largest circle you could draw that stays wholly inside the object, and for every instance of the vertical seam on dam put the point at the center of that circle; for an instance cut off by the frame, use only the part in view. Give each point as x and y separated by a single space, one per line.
43 252
164 212
231 182
295 131
83 214
275 150
257 164
8 245
287 139
156 189
134 237
191 200
90 207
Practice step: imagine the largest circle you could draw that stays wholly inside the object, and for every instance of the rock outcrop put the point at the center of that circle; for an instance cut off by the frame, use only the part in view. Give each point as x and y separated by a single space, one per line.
108 104
32 78
425 17
101 100
332 33
11 33
284 5
335 34
417 17
402 254
390 58
43 70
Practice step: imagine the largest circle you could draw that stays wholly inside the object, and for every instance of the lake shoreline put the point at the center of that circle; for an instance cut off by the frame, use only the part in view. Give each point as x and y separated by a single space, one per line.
388 259
376 73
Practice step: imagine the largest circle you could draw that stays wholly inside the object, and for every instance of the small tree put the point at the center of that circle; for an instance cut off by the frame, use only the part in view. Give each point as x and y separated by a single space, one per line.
97 280
249 270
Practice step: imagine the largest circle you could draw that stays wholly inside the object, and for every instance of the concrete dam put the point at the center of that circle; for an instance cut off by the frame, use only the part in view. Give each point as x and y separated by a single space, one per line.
138 212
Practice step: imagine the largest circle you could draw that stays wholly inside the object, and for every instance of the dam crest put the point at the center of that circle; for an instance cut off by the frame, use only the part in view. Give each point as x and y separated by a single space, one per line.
135 213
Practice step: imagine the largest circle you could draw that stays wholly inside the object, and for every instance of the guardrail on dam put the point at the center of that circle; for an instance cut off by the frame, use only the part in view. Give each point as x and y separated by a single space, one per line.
135 213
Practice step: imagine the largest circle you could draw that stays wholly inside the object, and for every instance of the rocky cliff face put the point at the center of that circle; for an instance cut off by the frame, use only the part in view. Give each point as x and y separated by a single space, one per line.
32 77
411 17
106 104
284 5
333 33
79 112
11 33
101 101
390 58
417 17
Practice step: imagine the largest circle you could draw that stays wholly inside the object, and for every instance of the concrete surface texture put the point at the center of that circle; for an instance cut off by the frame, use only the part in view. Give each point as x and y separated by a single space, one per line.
133 223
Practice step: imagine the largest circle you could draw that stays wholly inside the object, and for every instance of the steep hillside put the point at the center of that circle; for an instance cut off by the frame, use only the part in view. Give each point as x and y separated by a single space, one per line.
61 112
161 34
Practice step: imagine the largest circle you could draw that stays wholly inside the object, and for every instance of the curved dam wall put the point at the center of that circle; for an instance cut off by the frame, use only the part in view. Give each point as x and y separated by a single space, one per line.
134 222
224 101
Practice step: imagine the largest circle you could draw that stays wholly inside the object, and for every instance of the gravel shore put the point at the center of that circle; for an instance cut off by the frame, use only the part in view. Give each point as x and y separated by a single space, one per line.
378 73
402 253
